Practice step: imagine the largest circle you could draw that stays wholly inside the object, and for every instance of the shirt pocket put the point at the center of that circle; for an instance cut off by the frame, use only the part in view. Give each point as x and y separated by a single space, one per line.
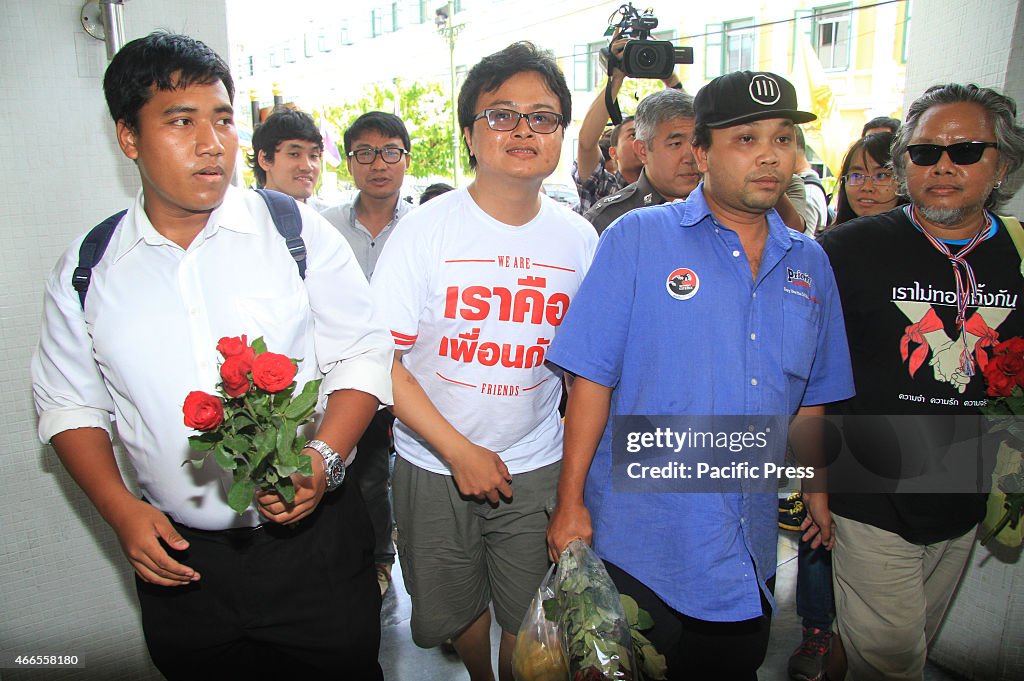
800 323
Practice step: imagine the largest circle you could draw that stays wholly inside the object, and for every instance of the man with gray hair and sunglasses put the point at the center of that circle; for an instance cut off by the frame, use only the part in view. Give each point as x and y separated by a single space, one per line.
941 293
664 126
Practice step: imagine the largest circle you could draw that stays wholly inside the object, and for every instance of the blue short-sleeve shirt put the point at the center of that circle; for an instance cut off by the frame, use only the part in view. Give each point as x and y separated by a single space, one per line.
670 317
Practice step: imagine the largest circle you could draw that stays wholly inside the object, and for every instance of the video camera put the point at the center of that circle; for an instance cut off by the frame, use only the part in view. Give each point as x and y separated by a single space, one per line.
643 57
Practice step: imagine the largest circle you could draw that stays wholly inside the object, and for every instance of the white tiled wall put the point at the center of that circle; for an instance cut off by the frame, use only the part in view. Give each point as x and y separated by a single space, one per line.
64 585
982 43
968 42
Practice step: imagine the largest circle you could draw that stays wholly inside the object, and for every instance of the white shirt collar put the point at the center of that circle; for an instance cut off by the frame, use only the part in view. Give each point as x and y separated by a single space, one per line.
136 227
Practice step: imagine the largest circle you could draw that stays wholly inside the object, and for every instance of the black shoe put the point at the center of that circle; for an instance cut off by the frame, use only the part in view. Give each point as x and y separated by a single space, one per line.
792 512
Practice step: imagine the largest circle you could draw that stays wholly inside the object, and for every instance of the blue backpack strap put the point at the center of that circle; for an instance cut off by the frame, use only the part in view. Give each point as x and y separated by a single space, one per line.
285 212
90 253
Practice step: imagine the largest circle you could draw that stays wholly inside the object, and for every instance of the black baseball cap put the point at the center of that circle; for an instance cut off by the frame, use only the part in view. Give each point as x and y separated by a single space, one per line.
744 96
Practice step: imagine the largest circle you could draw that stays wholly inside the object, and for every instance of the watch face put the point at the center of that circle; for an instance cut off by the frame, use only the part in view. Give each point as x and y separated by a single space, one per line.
335 471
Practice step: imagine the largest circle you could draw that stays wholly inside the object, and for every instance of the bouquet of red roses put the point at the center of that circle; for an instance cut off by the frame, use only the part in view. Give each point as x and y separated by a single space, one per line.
251 427
1004 376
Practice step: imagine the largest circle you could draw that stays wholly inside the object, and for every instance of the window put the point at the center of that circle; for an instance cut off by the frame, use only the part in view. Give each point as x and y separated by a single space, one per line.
730 46
323 42
595 71
376 22
831 36
906 32
344 37
581 67
396 13
712 50
738 54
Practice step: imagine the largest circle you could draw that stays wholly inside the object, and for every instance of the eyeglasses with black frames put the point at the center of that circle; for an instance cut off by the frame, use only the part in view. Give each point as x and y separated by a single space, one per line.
368 155
961 153
883 178
504 120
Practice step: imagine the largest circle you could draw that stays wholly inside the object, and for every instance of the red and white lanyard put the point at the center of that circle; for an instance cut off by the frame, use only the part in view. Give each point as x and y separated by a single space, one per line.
966 284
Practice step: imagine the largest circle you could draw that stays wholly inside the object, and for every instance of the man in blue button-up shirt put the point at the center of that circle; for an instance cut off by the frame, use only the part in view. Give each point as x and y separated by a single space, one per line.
705 308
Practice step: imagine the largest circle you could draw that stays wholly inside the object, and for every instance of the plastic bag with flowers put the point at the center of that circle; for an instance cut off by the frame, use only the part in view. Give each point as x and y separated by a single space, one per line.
250 427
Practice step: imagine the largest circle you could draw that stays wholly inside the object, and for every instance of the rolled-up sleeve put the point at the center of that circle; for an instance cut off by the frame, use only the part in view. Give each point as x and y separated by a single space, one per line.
353 350
67 386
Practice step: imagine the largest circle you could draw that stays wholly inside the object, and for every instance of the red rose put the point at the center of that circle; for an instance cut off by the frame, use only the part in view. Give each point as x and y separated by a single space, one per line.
203 411
999 383
234 374
231 346
1013 367
1011 346
272 372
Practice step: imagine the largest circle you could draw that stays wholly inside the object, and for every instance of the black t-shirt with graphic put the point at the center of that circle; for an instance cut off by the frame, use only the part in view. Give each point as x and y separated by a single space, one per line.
899 301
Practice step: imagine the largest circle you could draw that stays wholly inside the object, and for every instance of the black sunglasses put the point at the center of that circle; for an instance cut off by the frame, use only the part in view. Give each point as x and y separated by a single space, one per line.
961 153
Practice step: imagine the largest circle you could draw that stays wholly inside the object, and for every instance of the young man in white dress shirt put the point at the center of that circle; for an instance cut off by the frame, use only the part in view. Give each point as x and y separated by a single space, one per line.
223 595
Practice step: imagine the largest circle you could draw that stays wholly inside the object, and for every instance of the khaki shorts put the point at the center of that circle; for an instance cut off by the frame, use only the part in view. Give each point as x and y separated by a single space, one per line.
458 556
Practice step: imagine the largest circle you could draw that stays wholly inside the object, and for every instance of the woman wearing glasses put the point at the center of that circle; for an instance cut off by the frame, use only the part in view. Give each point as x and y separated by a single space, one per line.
867 185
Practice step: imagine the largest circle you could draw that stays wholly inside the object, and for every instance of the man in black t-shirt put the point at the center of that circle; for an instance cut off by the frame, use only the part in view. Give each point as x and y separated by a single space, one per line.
918 341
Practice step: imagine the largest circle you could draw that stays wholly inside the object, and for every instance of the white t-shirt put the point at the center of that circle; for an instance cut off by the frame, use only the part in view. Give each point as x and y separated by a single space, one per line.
476 303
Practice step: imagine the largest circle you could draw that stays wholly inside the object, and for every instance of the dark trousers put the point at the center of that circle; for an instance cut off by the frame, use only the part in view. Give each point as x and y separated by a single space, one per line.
698 649
372 472
814 601
274 602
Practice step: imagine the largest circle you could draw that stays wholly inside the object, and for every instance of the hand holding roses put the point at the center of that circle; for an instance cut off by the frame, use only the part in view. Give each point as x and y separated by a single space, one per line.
251 429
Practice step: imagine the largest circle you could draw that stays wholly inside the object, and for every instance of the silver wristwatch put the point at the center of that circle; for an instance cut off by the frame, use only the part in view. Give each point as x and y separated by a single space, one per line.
334 467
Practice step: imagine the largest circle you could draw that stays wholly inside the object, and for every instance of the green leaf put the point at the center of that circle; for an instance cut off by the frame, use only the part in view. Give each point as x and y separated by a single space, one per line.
285 437
631 609
286 489
205 441
240 495
200 445
239 420
258 346
644 620
284 470
302 406
224 458
237 444
551 609
257 456
281 398
264 442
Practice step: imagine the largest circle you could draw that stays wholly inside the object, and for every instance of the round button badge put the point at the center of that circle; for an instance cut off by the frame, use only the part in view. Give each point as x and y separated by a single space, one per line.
682 284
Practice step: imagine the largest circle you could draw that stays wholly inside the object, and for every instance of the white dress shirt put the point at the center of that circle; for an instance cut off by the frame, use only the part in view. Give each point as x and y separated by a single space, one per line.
153 316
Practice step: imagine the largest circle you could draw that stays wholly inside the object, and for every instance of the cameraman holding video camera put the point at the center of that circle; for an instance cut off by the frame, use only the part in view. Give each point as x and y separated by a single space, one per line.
593 182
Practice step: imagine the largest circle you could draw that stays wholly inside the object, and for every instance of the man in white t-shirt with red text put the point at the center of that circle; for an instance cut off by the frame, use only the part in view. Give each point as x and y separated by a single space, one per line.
473 288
